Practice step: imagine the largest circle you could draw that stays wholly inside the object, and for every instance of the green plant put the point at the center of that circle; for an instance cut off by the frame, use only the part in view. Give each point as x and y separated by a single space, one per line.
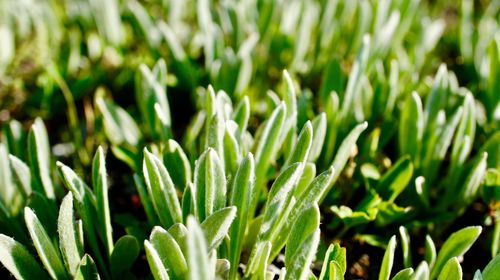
222 165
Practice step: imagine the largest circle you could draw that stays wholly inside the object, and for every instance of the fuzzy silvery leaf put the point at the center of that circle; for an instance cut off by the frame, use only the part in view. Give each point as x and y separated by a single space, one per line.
18 260
100 184
197 257
48 253
216 226
209 184
39 158
162 190
177 164
267 147
319 124
69 244
169 251
240 197
302 244
279 197
155 263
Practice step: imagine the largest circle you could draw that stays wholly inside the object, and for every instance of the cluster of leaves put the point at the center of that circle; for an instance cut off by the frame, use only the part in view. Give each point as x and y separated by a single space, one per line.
270 174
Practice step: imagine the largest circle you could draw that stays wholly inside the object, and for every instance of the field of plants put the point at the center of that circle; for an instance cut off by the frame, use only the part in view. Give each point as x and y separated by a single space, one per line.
251 139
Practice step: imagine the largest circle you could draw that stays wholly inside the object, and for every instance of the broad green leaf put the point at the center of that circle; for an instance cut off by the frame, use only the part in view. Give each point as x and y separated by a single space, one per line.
68 238
39 158
87 269
18 261
162 190
169 251
123 256
216 226
395 180
451 270
48 253
177 164
100 183
387 262
455 246
197 257
492 270
155 263
302 244
240 198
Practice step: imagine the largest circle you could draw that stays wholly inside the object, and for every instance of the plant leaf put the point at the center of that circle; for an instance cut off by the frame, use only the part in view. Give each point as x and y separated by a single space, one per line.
169 251
302 244
455 246
386 267
451 270
155 263
216 226
68 238
492 270
47 252
197 257
87 269
39 155
100 183
20 263
162 190
124 254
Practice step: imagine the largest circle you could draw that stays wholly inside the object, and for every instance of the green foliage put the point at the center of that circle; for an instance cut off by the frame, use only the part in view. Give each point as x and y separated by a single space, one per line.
382 129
